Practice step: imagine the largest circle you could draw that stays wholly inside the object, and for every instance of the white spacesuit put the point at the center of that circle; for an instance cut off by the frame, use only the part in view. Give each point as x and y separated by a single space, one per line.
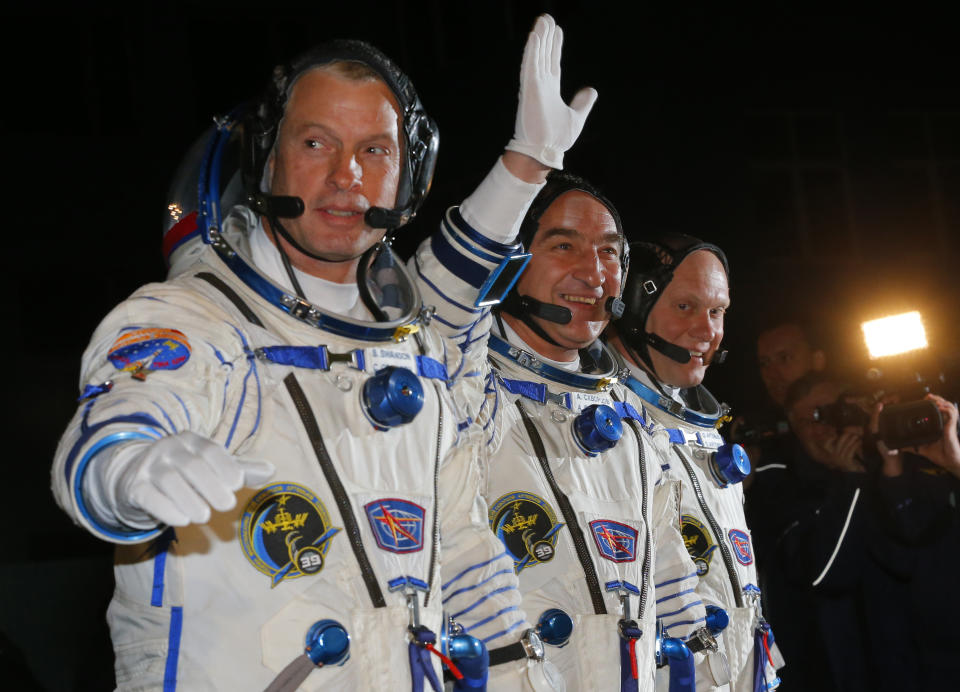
589 530
339 426
709 471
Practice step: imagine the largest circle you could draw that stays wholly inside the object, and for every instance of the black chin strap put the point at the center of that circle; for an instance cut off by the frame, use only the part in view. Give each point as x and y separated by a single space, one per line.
671 351
525 308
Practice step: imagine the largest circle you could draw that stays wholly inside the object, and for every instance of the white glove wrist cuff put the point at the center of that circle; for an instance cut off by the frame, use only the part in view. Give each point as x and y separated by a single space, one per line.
497 207
548 156
100 484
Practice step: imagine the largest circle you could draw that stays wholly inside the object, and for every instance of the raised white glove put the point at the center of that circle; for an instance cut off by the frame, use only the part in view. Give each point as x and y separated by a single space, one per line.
173 481
547 127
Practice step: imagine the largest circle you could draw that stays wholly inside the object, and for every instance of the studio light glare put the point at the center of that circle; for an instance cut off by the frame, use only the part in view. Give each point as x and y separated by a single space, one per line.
890 336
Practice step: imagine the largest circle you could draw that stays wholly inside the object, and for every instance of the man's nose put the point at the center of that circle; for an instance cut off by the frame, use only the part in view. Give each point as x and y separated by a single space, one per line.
703 326
345 173
589 269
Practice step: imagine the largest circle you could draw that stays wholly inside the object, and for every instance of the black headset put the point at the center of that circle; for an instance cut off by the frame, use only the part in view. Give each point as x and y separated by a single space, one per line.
421 135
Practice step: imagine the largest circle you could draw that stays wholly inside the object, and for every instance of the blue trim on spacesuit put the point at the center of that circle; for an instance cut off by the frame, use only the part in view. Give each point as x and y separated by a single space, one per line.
448 249
676 595
173 649
162 545
459 224
491 618
273 295
465 589
533 363
674 581
134 536
473 567
664 404
693 604
479 601
502 633
436 289
183 404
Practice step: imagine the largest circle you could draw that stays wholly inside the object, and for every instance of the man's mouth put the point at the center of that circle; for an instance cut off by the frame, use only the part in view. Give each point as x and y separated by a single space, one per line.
579 299
343 213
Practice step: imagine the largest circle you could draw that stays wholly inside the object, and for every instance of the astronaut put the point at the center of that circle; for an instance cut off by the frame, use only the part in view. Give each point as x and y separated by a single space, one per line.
277 436
571 478
676 297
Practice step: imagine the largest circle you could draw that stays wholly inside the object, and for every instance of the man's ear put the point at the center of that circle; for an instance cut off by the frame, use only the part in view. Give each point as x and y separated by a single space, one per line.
819 360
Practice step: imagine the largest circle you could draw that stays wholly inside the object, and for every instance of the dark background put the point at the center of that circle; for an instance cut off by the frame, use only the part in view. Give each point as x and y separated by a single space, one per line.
820 148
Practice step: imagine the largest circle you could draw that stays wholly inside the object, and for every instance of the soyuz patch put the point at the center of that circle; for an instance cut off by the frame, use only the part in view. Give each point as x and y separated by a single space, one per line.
397 524
143 350
696 537
742 549
616 541
285 532
527 526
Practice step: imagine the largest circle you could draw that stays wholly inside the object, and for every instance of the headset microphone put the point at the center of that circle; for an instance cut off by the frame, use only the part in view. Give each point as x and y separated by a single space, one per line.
276 206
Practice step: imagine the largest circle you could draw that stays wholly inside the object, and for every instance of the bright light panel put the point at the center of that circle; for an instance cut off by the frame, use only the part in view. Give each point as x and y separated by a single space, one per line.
893 335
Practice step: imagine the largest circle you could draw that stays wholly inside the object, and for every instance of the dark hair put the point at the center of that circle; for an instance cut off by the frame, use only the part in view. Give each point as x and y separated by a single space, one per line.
803 385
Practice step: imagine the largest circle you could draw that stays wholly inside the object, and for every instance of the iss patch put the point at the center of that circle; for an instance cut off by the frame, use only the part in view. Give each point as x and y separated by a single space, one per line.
527 526
397 524
285 532
142 350
742 550
616 541
696 537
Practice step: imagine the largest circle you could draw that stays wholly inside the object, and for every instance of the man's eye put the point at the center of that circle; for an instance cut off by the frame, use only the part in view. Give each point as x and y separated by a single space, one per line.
379 151
313 144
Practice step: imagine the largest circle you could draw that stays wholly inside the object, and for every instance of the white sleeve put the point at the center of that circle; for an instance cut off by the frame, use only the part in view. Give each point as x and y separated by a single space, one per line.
210 393
675 576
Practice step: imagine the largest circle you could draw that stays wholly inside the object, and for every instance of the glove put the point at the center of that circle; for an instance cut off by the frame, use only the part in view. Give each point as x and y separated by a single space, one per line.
546 127
174 481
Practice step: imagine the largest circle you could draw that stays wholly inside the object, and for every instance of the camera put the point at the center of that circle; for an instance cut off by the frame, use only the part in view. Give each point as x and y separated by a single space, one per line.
911 424
841 414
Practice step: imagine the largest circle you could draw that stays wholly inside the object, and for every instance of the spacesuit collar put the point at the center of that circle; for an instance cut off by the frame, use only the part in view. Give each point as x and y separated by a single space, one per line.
676 404
402 302
533 363
514 339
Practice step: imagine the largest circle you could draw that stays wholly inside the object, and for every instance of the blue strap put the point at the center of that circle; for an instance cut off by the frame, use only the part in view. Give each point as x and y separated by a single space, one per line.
683 675
676 436
420 665
429 367
626 410
759 662
618 584
536 391
173 649
628 683
93 390
312 357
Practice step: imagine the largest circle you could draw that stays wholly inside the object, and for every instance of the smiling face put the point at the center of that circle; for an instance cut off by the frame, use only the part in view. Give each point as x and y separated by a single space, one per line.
576 264
338 150
690 315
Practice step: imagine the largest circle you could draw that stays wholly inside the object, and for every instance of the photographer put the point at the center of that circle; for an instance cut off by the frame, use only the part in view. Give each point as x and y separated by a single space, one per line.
916 499
825 560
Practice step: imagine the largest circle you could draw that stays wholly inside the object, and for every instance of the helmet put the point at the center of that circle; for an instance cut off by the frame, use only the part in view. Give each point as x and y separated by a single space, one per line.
420 133
653 266
523 307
